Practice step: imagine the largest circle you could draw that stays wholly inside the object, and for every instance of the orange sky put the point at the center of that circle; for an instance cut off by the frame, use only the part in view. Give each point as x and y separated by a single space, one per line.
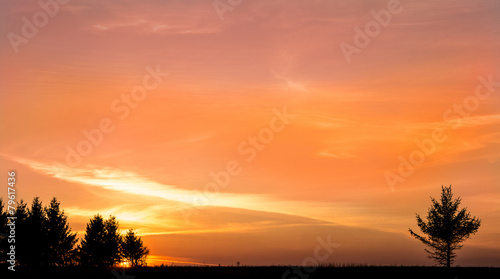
300 136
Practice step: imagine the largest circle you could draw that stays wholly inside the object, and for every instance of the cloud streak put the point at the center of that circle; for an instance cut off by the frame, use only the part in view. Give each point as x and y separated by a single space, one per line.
134 184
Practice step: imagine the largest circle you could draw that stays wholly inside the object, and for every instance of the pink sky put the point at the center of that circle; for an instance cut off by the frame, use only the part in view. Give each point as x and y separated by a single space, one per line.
319 172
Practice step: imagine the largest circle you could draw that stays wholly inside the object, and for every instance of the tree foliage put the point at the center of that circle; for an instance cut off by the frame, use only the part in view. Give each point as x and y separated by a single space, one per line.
133 250
101 244
60 240
42 235
91 249
113 241
22 233
36 242
446 227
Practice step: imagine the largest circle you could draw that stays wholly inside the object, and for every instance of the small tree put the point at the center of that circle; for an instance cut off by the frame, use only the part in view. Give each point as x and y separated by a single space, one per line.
22 233
91 246
101 243
37 231
133 250
112 241
446 227
60 240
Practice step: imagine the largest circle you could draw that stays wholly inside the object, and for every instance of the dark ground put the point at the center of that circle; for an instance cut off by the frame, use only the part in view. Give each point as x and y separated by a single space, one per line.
256 272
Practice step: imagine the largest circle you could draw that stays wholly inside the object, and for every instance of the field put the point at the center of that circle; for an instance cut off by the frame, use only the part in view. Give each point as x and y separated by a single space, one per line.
261 272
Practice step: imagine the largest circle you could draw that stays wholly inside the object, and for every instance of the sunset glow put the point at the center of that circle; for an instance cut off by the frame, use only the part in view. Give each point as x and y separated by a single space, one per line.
246 135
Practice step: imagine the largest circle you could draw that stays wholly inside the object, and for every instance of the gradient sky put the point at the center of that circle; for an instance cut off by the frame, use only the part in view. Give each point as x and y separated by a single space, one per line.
321 174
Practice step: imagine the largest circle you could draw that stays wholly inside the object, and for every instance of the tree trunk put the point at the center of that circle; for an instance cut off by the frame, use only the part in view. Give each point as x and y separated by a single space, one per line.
448 255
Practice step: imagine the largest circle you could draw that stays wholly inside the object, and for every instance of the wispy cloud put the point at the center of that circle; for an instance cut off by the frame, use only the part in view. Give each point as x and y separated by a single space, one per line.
290 83
136 184
132 183
459 122
160 27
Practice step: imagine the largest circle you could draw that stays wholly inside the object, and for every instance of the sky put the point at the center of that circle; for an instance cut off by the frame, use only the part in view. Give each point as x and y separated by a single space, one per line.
256 131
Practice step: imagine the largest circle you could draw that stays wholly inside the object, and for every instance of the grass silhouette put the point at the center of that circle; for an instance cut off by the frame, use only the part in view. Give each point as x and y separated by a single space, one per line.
260 272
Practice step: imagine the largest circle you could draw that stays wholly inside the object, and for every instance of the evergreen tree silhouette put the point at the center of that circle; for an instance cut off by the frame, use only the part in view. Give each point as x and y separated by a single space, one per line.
37 234
91 247
446 227
112 242
60 240
22 233
133 250
101 243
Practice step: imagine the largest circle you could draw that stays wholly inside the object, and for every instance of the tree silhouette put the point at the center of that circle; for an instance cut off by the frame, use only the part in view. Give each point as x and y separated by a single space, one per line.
133 250
446 227
60 241
4 233
101 243
91 247
22 233
43 237
36 228
113 241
